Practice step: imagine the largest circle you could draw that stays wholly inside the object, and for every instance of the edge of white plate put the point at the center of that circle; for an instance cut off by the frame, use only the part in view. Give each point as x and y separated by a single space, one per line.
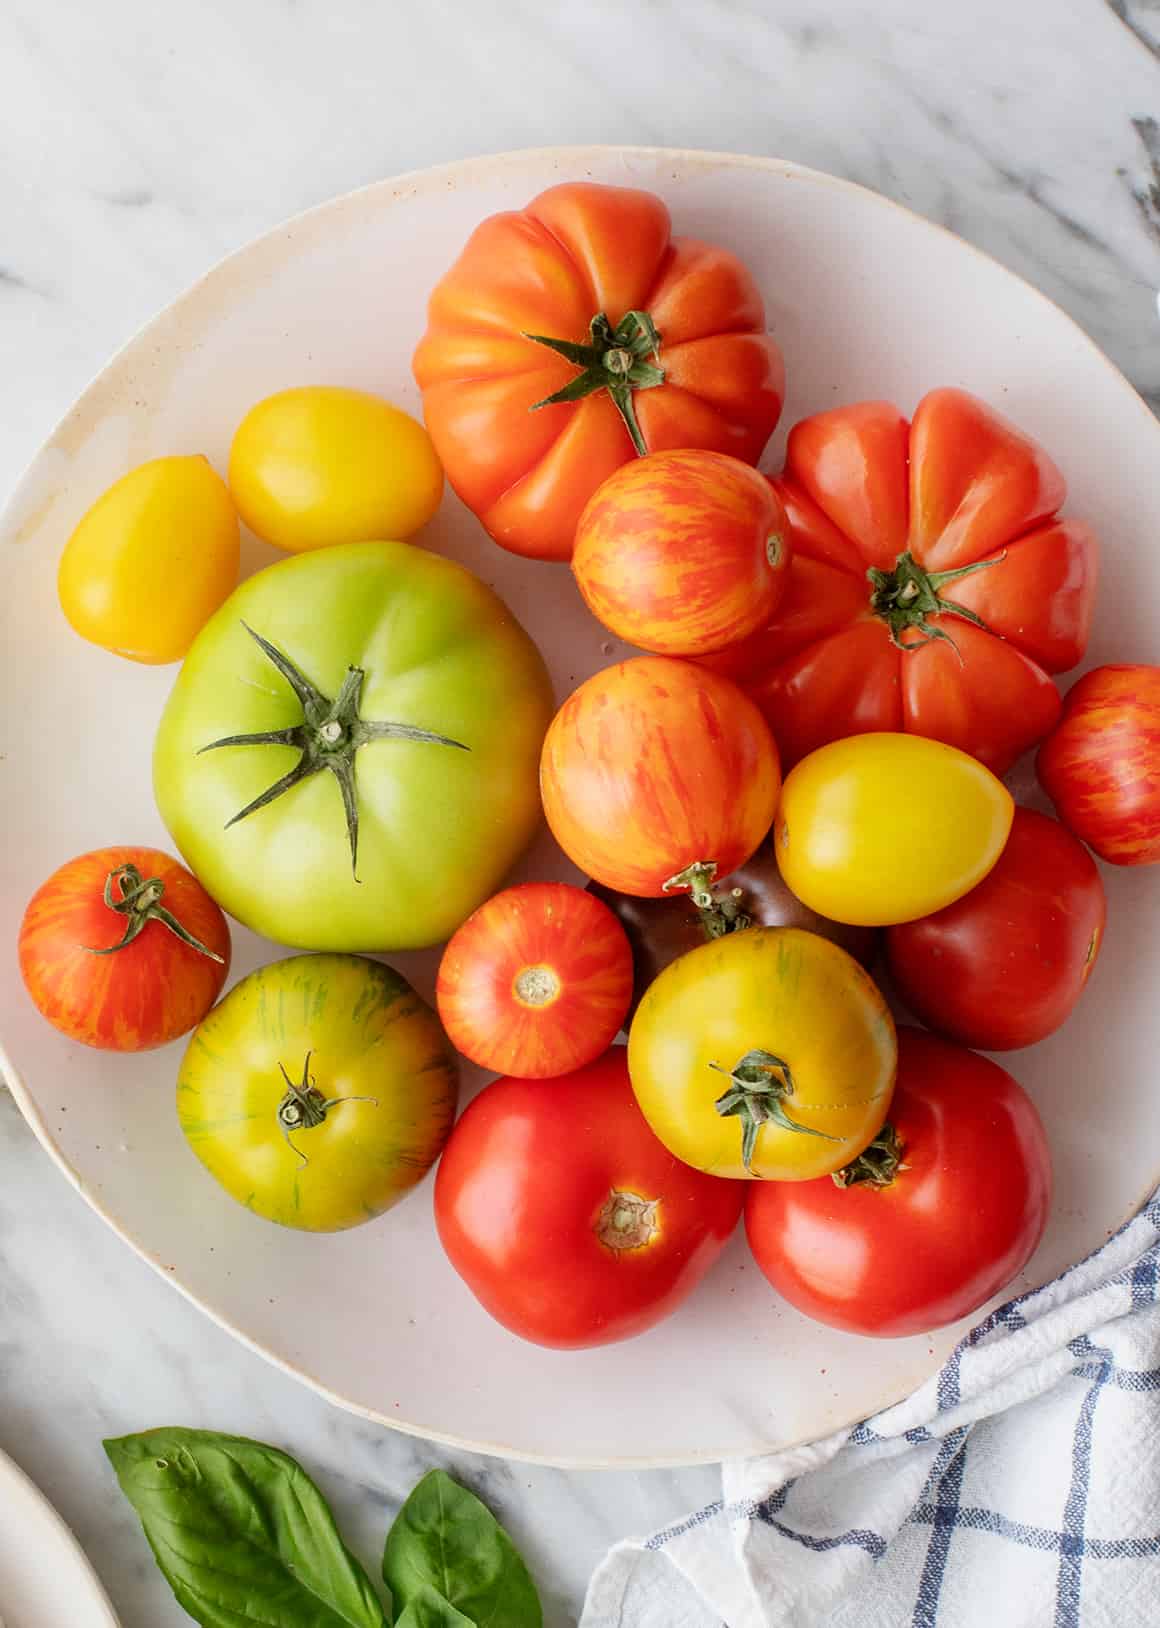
10 1470
575 156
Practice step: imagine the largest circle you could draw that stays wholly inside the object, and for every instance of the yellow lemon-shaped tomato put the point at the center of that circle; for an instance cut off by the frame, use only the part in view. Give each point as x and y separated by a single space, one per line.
767 1053
322 465
884 828
319 1091
152 560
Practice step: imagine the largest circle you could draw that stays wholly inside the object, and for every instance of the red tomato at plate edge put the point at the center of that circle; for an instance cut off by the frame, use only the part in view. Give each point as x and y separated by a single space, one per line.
961 1218
538 1174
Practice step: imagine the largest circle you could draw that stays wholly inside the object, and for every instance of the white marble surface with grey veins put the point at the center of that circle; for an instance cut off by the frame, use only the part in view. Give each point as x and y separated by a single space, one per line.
140 143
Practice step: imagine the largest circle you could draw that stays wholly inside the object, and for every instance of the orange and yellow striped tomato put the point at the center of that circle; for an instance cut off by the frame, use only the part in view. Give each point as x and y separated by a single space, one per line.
683 552
536 982
1101 766
123 949
657 774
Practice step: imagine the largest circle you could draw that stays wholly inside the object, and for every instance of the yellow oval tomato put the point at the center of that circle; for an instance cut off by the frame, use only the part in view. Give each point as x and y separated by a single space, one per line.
884 828
322 465
768 1053
152 560
319 1091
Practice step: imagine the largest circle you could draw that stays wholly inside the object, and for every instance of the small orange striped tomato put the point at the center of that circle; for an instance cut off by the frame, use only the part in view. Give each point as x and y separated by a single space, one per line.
1101 766
658 776
536 982
123 949
683 552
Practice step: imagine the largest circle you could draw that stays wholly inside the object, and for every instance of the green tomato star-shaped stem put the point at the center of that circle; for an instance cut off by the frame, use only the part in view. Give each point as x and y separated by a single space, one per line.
759 1083
614 359
328 737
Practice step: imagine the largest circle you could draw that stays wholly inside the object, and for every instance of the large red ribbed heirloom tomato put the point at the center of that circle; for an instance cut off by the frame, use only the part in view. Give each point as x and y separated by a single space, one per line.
658 776
934 586
576 333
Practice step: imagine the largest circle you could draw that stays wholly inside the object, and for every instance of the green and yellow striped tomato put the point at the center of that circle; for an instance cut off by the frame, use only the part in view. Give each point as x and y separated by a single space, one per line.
319 1091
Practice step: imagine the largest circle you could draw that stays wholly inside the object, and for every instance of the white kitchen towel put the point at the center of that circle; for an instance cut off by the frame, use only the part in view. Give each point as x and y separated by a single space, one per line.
1019 1488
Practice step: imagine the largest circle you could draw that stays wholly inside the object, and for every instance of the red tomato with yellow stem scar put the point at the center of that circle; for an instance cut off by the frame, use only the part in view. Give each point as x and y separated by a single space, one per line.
536 982
658 776
564 1215
683 552
123 949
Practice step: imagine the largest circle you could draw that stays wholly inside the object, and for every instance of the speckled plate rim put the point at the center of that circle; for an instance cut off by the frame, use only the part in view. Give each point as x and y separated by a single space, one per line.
571 158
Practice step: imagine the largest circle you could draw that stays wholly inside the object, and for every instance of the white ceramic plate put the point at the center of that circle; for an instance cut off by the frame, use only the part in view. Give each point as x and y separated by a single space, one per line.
867 300
45 1576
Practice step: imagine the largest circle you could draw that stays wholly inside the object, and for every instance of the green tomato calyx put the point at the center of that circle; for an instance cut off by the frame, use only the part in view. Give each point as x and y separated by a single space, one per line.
328 737
626 1220
760 1083
139 901
614 359
720 913
876 1165
304 1106
908 597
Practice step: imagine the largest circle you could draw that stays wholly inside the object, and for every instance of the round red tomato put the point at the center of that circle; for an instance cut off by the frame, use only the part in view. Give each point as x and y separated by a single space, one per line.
537 982
123 949
1101 767
933 589
938 1214
1004 966
683 552
564 1215
656 769
574 335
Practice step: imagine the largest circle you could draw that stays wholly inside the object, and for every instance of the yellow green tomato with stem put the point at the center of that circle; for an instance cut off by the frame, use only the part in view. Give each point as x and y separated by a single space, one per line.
768 1053
319 1091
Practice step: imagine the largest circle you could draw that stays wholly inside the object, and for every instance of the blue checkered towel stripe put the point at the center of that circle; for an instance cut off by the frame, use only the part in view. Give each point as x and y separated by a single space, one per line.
1019 1488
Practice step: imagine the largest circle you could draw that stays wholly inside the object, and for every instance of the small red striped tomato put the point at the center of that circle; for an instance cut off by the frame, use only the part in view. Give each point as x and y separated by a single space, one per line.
658 776
683 552
123 949
537 982
1101 767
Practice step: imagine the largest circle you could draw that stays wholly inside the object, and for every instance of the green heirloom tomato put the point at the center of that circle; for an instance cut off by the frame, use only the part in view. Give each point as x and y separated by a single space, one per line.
319 1091
349 759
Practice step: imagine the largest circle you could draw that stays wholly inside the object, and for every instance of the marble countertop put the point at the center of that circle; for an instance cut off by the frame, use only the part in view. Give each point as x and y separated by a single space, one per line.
139 144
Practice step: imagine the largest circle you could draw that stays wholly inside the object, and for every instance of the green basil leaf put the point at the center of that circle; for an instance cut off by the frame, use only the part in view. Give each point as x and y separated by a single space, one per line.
445 1538
428 1609
241 1532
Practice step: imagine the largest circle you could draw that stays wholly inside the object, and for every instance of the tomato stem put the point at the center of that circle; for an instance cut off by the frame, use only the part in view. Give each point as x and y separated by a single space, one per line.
139 901
761 1082
304 1106
614 359
328 737
877 1165
908 596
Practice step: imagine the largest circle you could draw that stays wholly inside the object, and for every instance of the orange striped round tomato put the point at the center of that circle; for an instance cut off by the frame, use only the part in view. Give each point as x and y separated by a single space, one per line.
123 948
658 775
537 982
683 552
1101 767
